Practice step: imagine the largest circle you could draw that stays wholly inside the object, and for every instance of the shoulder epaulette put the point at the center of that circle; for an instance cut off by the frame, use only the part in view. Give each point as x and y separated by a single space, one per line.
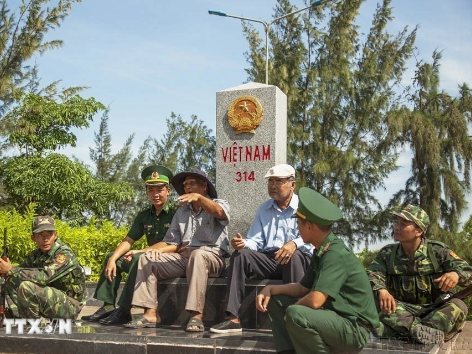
147 207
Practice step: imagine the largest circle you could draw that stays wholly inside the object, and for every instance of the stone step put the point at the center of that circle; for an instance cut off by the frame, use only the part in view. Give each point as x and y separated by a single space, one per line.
95 338
173 295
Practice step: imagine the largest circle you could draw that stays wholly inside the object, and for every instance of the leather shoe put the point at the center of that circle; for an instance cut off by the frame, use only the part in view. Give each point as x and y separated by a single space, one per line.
102 312
117 317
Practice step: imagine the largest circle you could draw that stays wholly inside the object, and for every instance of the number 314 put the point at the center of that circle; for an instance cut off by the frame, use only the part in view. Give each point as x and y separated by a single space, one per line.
245 176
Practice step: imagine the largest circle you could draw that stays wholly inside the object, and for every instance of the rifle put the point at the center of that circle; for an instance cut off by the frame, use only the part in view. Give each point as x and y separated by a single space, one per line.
446 297
2 279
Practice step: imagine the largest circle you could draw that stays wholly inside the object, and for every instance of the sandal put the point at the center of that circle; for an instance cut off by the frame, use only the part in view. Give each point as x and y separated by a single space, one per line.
141 323
197 323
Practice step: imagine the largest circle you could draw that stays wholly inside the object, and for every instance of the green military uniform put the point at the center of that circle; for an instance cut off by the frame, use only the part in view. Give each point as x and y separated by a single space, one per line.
154 227
50 285
411 284
348 312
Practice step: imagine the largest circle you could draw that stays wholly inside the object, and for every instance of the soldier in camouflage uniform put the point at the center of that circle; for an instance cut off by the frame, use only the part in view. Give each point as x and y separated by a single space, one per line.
409 276
153 222
50 282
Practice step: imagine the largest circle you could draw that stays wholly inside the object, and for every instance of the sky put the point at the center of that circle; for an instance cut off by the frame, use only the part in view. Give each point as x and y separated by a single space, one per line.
147 58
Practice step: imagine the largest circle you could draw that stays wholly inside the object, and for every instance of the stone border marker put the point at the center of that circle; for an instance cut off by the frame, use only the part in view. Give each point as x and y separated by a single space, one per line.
247 145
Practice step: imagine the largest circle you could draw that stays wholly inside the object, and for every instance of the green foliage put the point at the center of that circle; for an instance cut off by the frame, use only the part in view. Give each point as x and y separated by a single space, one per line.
19 232
366 257
109 167
115 169
91 242
185 145
437 132
22 36
466 233
40 123
340 87
59 186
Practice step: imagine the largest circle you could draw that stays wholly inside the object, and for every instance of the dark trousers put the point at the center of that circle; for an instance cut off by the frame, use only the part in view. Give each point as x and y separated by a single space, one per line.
308 331
247 264
107 291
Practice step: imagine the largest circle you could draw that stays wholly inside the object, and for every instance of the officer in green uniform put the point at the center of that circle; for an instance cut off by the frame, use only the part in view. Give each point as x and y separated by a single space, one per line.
333 306
50 282
409 276
153 222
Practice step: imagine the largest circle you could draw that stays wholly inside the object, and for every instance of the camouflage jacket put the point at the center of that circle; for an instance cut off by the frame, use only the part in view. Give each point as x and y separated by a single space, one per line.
412 281
59 268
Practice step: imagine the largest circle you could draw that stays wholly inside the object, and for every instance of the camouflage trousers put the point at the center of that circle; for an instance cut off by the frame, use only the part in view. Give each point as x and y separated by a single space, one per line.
26 299
448 318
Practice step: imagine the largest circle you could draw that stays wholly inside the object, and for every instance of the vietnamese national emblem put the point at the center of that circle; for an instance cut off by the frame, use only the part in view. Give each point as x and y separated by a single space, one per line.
245 114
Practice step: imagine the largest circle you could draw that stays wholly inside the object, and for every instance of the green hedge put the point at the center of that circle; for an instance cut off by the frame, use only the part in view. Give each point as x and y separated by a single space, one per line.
91 243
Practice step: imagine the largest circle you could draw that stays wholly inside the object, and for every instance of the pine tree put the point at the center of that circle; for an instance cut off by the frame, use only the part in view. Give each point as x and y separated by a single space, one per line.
436 130
341 95
101 155
21 38
185 145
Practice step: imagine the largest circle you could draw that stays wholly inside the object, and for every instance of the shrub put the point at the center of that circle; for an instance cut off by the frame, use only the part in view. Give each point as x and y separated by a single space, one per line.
91 243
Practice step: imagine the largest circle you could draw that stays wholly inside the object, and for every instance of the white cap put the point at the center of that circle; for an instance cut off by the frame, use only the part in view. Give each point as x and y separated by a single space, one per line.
282 170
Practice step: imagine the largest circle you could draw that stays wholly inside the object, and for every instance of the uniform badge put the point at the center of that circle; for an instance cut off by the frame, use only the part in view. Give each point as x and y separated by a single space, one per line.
455 256
327 246
166 225
323 251
61 258
245 114
43 221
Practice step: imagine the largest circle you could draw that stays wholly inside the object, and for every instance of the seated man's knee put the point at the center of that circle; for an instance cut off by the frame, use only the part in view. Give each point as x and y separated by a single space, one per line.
240 255
198 254
292 313
26 290
460 305
136 257
277 302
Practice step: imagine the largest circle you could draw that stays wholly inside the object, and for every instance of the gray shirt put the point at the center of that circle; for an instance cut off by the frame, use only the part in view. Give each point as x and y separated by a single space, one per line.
199 229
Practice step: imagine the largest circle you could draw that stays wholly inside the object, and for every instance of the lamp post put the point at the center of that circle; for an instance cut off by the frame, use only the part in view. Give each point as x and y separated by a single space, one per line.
267 28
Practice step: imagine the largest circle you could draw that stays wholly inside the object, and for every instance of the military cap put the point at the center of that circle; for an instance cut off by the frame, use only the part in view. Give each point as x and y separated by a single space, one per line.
315 208
156 175
416 214
43 223
282 171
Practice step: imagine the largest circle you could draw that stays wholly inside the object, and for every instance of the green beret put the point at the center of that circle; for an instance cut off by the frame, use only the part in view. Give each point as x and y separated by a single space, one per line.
315 208
156 175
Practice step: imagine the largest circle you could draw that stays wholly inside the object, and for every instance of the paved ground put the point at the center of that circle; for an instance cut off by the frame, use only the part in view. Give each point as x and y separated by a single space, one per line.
460 344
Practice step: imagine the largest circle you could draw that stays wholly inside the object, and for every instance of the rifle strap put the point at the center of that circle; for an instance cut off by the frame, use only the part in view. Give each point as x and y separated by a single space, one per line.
432 257
391 260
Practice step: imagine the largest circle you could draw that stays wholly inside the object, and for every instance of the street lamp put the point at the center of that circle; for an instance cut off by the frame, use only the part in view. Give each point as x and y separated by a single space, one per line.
267 27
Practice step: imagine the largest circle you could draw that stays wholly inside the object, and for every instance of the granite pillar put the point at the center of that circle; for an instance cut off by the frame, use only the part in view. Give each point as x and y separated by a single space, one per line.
251 137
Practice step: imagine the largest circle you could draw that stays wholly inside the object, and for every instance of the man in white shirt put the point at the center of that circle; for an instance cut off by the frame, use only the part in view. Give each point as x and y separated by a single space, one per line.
273 248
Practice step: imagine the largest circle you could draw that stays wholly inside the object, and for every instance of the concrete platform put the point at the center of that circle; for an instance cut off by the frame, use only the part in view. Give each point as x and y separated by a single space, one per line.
95 338
170 338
